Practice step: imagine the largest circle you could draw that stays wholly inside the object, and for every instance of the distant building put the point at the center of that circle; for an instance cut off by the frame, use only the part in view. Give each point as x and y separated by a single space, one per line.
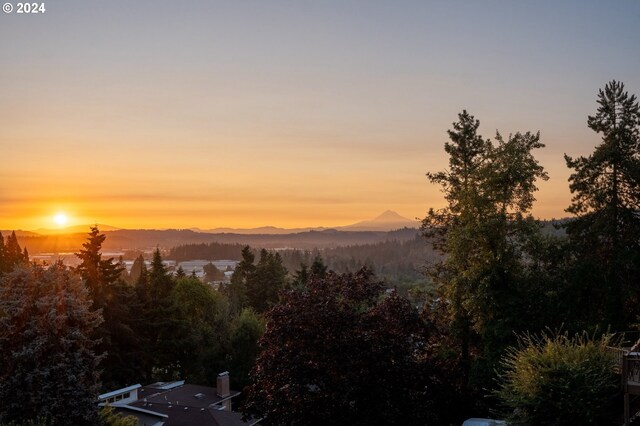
197 266
177 404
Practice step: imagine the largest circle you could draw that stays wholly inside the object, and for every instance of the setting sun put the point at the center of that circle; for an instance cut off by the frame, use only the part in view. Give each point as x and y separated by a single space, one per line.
60 219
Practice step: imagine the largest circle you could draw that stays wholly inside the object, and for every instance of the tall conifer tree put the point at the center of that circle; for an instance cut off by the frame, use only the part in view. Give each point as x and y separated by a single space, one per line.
606 201
115 298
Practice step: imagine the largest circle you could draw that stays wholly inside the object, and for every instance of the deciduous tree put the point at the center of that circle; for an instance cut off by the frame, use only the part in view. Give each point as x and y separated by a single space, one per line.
482 232
339 351
246 330
197 331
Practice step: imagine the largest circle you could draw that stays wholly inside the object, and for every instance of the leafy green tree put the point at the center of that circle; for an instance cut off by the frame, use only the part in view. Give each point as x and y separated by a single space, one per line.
108 417
340 352
199 328
606 199
246 329
48 364
482 233
559 380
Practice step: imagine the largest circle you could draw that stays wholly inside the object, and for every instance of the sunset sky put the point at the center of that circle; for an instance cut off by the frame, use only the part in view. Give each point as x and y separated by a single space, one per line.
155 114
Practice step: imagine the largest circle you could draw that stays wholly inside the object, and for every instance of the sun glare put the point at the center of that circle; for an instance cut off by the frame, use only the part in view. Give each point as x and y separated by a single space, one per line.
60 219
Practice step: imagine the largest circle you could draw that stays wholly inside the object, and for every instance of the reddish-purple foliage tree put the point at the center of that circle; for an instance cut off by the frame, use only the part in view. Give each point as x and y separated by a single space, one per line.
341 351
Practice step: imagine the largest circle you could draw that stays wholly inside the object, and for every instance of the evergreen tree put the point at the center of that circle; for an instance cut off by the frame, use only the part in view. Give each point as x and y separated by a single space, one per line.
142 283
142 324
301 276
180 272
3 261
318 268
99 274
48 364
237 290
159 316
606 200
160 281
13 254
115 299
268 279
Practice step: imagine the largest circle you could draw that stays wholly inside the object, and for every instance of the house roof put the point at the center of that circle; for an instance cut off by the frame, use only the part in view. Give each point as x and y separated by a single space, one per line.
195 396
187 405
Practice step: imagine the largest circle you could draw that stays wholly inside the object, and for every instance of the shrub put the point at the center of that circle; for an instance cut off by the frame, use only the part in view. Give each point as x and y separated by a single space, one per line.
555 379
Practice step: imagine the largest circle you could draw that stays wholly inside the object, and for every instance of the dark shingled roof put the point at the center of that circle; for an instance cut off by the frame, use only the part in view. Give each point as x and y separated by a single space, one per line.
184 408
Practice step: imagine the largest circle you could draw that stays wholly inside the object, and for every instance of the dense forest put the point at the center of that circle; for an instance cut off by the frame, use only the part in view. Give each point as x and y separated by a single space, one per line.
515 318
400 262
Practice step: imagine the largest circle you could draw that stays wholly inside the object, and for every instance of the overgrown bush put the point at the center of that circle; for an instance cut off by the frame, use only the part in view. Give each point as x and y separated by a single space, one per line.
555 379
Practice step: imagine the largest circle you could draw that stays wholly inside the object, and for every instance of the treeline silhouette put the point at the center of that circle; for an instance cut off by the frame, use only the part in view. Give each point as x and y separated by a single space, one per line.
516 321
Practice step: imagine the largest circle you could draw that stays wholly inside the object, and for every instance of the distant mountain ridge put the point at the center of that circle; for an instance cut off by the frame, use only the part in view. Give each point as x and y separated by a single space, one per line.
19 233
148 239
388 225
387 221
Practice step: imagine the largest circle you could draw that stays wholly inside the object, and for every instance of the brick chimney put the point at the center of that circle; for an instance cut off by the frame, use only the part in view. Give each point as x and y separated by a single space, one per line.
222 388
222 384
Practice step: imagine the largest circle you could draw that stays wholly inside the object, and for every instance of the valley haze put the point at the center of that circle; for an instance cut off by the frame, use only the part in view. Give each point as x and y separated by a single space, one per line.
386 226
